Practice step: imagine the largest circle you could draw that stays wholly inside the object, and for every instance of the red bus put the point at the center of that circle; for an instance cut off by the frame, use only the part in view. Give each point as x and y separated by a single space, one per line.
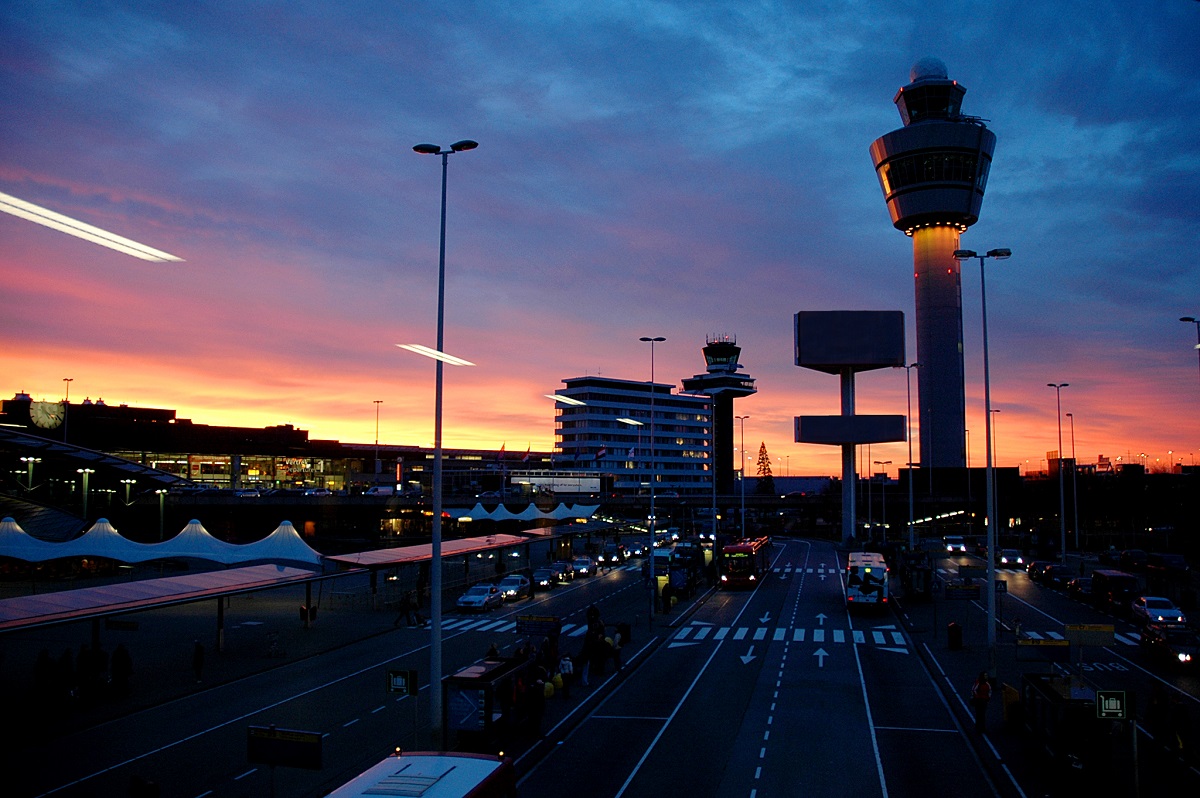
435 774
746 562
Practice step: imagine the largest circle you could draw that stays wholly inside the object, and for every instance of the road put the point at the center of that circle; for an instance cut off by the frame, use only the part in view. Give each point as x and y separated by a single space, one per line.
775 691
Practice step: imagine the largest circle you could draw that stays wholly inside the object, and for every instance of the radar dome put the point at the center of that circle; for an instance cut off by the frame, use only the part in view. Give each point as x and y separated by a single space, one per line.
928 67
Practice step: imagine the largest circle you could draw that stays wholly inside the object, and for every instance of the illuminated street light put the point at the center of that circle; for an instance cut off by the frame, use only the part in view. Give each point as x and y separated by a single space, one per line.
997 254
435 565
29 461
128 483
1062 501
1196 321
742 424
85 472
883 492
653 478
162 495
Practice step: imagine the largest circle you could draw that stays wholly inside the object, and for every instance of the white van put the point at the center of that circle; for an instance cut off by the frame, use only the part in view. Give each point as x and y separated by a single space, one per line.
380 490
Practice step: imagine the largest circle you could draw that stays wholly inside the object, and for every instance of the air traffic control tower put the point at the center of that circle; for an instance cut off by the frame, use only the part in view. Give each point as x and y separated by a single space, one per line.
933 172
723 383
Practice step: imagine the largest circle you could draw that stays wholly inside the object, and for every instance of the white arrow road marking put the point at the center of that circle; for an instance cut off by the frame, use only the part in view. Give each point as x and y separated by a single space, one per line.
749 655
821 619
766 617
820 654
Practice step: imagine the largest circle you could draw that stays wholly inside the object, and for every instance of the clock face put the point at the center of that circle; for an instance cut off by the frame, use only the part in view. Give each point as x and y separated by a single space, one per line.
47 415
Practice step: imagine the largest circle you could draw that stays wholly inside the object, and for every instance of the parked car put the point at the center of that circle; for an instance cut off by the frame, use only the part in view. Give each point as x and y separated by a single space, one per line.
318 492
1056 575
1081 588
583 566
480 598
1173 642
544 579
1155 609
955 544
514 586
1133 560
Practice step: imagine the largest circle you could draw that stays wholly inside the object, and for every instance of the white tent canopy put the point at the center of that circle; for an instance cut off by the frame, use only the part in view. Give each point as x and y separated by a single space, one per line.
530 513
103 540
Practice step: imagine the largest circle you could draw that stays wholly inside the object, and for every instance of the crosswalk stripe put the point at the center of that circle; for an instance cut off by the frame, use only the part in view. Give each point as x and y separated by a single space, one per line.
566 627
490 626
470 625
839 636
779 633
740 634
1033 635
859 637
720 635
1127 641
683 633
818 635
760 633
508 627
578 632
877 636
1055 636
898 638
702 632
453 623
798 635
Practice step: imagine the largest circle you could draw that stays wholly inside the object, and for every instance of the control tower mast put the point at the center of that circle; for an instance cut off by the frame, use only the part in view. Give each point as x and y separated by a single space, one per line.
933 172
723 383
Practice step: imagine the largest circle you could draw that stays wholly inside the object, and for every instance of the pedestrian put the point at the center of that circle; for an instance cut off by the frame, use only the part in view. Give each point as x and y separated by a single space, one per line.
198 660
493 651
566 669
667 594
122 670
981 694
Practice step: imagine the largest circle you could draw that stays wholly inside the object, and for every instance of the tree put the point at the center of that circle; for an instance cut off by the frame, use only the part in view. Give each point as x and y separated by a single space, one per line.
766 480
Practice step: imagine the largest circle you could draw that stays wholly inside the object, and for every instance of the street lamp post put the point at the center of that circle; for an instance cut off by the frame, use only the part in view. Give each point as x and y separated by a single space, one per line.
29 461
67 406
1196 321
85 472
162 495
1062 501
883 494
742 423
435 562
377 402
652 340
1074 484
908 435
997 254
128 483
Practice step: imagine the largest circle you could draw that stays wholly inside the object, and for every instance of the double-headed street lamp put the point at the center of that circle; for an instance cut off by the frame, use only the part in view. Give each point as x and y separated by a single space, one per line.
85 473
29 461
996 254
1074 484
742 423
883 493
1196 321
162 497
435 564
652 340
908 434
1062 501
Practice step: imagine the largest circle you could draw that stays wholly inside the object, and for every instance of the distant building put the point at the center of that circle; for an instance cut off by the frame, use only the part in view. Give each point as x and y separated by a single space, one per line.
604 425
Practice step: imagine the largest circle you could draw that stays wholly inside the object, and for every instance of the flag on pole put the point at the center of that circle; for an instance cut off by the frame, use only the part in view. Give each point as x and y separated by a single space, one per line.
500 454
525 459
631 453
603 451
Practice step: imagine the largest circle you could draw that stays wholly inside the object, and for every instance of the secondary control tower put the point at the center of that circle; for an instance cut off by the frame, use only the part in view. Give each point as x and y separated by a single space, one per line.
933 172
723 383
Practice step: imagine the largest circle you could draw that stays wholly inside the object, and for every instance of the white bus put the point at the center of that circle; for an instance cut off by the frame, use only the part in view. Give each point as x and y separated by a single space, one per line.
435 774
866 580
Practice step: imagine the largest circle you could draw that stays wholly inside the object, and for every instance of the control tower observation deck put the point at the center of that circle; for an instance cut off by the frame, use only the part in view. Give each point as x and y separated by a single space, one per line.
723 383
933 172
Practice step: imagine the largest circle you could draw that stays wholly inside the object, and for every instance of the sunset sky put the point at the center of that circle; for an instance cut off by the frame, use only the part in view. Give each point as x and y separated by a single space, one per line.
673 169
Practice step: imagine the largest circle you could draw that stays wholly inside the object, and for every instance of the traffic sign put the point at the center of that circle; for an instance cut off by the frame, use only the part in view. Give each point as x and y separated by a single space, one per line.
1090 634
1110 704
402 682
